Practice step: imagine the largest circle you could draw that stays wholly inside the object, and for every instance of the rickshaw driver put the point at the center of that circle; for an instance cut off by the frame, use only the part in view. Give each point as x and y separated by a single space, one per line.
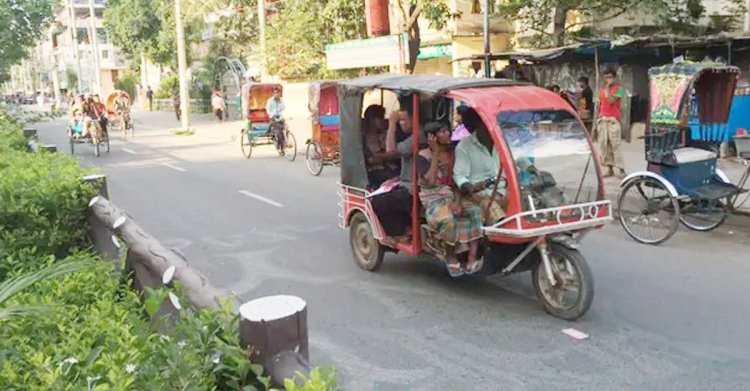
476 167
275 110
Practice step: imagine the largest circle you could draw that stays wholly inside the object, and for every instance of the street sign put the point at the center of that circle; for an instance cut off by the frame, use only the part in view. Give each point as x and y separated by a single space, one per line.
373 52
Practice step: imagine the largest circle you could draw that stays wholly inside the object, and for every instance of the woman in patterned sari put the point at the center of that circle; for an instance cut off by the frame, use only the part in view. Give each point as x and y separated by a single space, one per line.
454 221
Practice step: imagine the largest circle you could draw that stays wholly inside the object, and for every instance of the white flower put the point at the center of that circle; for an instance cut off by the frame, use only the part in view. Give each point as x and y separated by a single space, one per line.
216 357
130 368
181 344
164 338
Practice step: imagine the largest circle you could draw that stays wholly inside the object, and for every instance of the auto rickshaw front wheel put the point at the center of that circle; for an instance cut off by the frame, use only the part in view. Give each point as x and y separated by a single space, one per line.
572 293
368 252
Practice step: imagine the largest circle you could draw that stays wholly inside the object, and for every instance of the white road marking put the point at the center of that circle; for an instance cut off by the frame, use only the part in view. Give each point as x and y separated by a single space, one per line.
130 151
172 166
261 198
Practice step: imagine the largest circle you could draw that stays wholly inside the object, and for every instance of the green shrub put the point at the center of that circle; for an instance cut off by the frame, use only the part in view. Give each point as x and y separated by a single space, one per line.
167 87
43 203
11 135
101 339
127 83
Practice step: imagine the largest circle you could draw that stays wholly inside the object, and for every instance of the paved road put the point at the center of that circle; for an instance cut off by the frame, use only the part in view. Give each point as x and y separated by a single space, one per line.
673 317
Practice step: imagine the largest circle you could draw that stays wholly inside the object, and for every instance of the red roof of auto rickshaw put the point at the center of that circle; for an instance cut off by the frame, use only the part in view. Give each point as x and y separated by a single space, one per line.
492 100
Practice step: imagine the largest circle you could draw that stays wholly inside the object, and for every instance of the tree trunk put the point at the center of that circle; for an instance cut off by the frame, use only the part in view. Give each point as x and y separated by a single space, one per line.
415 39
558 32
149 259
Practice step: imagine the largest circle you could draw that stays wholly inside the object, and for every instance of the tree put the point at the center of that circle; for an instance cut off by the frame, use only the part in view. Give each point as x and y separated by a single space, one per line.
436 12
147 27
24 25
298 33
553 20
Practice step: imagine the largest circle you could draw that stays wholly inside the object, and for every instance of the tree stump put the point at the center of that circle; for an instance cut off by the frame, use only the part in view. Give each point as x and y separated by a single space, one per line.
275 329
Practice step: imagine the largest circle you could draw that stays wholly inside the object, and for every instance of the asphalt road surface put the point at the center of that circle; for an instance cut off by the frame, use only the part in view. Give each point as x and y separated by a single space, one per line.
673 317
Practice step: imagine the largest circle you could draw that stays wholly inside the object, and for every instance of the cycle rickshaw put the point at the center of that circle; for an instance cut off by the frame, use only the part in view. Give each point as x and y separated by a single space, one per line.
118 106
95 136
323 147
551 179
260 129
690 105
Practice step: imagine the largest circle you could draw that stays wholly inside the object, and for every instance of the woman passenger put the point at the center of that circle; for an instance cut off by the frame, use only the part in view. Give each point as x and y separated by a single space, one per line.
454 221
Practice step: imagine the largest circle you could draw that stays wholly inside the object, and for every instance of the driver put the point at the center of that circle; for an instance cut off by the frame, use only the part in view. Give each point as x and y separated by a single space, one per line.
275 110
477 166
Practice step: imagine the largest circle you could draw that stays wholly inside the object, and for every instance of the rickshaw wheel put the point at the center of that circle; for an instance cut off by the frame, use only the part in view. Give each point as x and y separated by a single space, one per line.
314 158
246 144
648 212
72 142
290 149
703 215
571 272
368 253
106 141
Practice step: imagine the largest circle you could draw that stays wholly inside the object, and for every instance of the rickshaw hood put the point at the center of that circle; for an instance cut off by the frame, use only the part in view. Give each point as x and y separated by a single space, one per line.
492 100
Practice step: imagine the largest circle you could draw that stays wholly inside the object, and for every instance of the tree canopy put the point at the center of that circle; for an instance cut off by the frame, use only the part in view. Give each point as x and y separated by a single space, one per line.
24 24
147 27
556 21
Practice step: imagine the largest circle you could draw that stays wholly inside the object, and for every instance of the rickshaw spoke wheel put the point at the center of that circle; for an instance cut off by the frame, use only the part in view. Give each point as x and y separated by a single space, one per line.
703 215
368 253
314 158
573 292
290 146
648 212
246 144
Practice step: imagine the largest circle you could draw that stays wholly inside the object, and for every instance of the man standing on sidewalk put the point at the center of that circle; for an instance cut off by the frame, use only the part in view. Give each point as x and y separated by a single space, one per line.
608 127
150 97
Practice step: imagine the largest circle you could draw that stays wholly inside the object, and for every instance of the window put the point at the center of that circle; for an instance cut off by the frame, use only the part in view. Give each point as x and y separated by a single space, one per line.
105 54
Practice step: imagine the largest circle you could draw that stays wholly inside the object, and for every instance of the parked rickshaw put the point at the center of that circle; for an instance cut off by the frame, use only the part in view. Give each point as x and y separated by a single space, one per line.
260 129
118 106
323 147
549 176
690 105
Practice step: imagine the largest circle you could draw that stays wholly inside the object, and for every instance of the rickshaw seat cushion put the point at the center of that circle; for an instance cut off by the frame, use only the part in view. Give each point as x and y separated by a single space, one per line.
329 120
329 128
692 155
259 116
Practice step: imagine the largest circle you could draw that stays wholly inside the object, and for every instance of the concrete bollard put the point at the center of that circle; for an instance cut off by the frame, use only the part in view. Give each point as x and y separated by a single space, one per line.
99 181
275 328
48 148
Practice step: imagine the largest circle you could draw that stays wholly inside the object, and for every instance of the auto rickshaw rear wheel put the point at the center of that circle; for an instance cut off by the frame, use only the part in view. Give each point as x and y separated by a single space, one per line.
573 292
368 252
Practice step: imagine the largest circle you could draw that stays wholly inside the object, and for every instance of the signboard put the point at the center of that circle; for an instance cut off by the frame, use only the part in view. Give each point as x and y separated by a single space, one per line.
373 52
435 51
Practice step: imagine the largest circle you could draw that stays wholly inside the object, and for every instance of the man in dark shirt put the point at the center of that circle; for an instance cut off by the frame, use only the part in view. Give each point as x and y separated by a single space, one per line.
586 101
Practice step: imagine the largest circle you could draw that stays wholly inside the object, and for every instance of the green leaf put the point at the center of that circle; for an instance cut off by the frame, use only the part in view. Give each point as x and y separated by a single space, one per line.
257 369
93 355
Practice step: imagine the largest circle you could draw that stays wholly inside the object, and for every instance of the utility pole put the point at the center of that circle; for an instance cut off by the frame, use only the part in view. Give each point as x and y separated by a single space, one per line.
77 54
747 16
182 66
487 38
95 49
55 78
262 35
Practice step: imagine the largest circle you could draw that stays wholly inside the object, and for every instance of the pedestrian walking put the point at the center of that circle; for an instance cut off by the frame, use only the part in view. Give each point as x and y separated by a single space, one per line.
608 126
219 106
150 97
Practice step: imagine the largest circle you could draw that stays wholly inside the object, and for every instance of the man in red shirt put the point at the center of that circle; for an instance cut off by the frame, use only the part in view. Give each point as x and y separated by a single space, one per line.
608 127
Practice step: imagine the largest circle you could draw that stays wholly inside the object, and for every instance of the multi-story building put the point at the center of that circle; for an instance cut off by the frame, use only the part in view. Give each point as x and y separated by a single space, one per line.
60 50
460 38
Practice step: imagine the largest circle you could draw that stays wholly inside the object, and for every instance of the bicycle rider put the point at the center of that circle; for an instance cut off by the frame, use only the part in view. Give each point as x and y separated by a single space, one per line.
275 110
